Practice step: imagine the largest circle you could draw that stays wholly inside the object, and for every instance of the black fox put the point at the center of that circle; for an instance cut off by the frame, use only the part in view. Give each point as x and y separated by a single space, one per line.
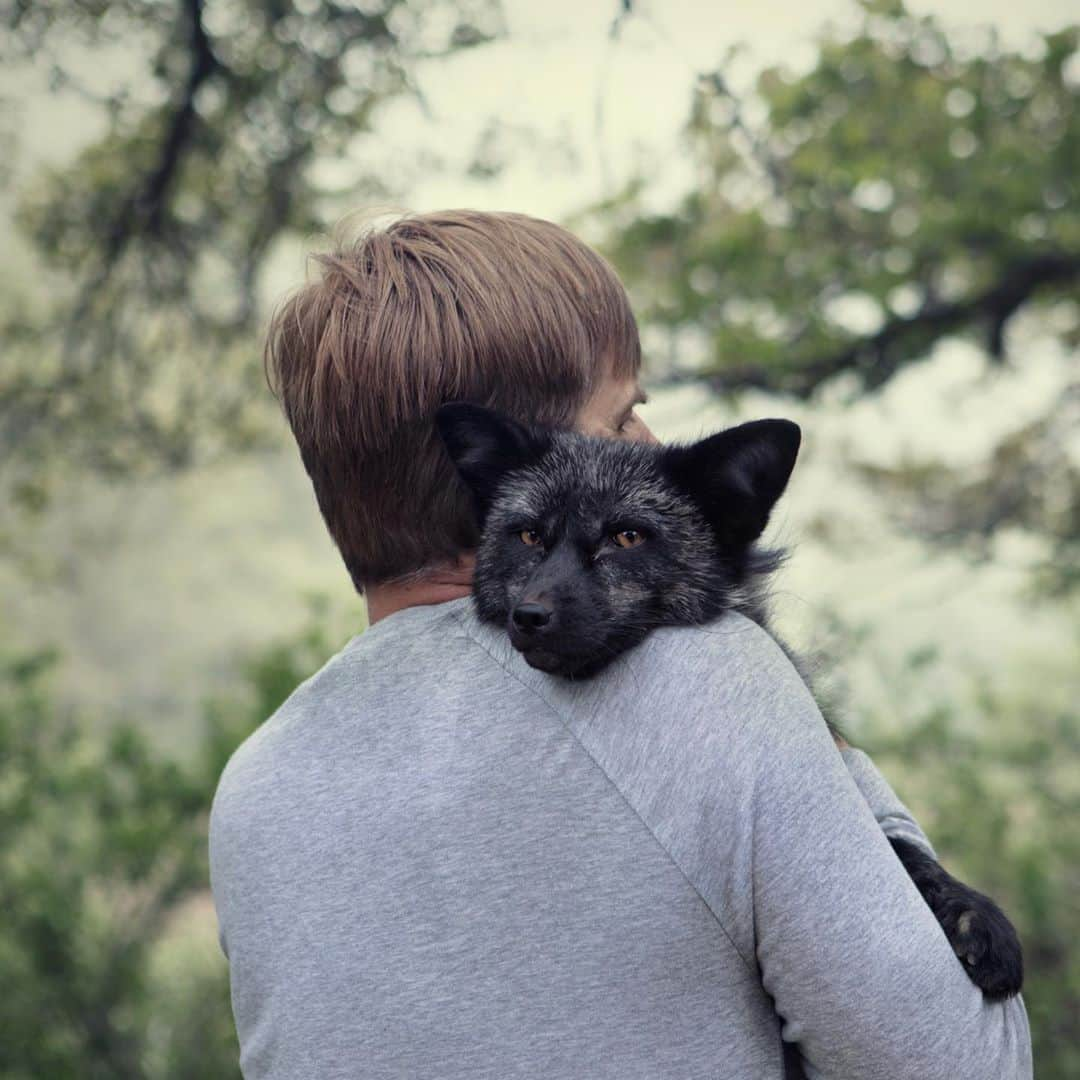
588 544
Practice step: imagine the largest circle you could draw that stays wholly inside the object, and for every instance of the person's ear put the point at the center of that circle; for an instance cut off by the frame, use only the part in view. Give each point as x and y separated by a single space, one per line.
736 476
485 446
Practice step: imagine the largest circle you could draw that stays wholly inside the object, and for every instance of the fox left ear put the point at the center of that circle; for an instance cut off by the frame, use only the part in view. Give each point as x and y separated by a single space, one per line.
737 476
485 446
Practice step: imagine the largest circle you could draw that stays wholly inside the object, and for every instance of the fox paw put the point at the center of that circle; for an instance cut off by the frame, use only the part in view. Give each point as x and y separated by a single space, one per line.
984 941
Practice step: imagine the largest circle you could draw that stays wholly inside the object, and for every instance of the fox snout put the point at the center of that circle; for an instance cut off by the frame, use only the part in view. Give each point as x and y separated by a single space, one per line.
537 632
532 616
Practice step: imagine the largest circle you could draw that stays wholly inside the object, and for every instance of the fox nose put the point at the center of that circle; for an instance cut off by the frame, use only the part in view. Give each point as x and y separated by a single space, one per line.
530 616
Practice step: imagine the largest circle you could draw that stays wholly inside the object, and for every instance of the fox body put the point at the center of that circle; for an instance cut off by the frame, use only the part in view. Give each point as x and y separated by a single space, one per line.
588 544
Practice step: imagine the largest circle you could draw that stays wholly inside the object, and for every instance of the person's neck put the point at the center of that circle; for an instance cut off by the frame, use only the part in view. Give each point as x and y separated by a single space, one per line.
437 587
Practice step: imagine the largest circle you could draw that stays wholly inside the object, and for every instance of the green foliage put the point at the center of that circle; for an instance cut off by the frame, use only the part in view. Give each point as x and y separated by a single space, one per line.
905 187
996 787
106 940
218 115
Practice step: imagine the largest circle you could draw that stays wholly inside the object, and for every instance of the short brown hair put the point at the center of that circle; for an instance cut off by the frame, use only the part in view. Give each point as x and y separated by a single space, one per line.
498 309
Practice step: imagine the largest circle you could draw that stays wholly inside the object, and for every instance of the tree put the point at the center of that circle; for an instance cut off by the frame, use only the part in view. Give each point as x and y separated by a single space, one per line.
902 189
218 115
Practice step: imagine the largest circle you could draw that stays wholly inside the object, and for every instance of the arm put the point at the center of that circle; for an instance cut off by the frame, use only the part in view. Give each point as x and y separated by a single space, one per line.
854 960
891 814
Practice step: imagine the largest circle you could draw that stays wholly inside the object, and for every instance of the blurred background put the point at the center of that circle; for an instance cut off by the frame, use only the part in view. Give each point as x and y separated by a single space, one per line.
862 216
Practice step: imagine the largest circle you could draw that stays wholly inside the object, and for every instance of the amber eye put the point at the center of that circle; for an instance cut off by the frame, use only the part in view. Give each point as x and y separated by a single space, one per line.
530 537
628 538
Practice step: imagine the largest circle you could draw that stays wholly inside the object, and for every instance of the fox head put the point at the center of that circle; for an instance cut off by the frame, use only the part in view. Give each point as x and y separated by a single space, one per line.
587 544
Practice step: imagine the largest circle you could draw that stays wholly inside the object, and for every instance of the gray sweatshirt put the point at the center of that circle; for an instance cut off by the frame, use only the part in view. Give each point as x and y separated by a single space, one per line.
435 862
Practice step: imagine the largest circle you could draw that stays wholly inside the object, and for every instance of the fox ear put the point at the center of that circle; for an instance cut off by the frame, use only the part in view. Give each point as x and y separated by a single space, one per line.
736 476
485 445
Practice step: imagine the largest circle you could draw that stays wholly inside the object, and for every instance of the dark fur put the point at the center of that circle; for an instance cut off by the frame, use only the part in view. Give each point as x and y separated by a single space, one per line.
575 601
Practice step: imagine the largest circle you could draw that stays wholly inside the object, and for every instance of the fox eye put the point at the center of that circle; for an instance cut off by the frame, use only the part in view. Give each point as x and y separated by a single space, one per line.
628 538
529 537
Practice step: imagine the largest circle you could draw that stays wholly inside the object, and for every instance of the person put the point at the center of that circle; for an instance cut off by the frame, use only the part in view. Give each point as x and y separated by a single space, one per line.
434 861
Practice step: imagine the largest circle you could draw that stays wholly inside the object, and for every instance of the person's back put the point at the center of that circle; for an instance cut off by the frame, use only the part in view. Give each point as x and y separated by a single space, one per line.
434 861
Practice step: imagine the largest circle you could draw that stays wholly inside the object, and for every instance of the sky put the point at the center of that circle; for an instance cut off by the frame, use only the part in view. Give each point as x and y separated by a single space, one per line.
558 66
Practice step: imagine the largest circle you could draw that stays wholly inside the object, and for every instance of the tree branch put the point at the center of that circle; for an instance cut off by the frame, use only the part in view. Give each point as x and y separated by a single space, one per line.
877 357
142 211
757 147
148 204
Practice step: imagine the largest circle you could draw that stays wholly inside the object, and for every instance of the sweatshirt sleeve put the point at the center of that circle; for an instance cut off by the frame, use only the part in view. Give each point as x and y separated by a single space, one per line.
894 818
859 970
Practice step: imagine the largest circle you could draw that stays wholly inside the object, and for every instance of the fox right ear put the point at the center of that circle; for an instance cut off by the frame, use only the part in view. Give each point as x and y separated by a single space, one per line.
485 446
737 475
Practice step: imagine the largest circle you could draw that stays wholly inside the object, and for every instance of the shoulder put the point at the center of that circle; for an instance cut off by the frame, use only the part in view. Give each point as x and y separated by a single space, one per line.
732 643
275 763
696 714
731 670
340 710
